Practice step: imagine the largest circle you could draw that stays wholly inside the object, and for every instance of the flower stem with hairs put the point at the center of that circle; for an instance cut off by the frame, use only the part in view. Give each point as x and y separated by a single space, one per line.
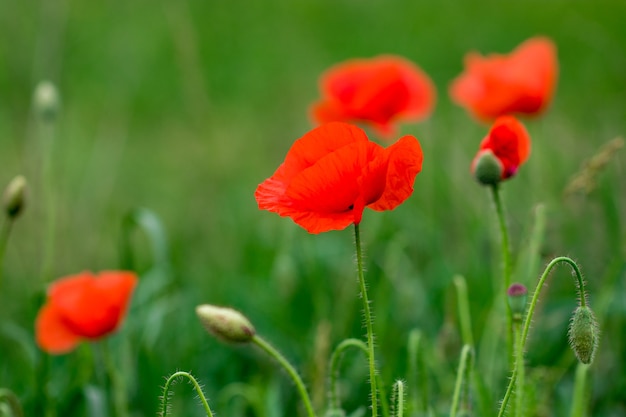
368 320
197 387
506 267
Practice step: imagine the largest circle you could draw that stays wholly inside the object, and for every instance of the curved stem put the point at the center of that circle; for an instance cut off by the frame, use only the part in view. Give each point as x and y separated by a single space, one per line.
270 350
506 266
462 375
368 320
334 365
166 391
13 403
531 311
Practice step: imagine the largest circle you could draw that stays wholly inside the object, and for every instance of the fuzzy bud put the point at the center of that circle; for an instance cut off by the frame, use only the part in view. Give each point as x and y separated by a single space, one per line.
14 197
583 334
516 296
225 323
487 168
46 101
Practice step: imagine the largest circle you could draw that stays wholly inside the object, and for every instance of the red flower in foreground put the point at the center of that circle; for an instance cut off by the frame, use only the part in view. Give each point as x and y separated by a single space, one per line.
521 82
83 306
379 91
333 172
509 142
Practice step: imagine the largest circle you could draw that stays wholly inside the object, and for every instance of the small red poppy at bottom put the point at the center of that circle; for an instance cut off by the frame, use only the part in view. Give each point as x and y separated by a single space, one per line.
83 307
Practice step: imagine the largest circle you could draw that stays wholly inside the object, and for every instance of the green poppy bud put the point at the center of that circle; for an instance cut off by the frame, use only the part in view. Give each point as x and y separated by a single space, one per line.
225 323
487 168
583 334
14 197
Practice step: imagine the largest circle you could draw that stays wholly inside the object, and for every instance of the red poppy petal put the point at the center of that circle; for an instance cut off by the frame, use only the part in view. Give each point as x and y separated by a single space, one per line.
51 333
305 152
404 162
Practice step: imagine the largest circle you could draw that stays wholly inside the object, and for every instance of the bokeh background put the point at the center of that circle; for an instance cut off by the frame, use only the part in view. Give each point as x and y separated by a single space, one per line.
183 107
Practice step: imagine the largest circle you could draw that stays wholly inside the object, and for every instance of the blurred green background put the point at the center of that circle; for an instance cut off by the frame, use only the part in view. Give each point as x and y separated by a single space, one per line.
183 107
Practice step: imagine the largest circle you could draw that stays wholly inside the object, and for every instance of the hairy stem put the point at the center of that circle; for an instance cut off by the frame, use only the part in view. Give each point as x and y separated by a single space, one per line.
506 267
192 380
368 320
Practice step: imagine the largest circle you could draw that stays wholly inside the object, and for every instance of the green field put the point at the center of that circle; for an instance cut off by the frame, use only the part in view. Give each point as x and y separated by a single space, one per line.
181 108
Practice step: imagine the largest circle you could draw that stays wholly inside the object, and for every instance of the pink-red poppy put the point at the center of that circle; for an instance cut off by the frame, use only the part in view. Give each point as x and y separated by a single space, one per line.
379 91
334 171
509 142
83 307
522 82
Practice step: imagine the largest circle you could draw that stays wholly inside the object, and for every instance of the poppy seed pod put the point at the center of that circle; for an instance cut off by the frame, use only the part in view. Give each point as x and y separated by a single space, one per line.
583 334
225 323
15 196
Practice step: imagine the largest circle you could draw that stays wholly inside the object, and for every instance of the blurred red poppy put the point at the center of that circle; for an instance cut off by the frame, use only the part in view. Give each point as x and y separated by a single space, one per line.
333 172
83 306
509 142
380 91
521 82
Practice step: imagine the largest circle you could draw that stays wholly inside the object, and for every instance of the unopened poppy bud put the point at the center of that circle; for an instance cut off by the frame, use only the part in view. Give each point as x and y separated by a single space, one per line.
516 296
14 196
225 323
46 101
487 168
583 334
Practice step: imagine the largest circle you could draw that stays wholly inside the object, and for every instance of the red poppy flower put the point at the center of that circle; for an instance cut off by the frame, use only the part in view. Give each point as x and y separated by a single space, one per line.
333 172
509 142
83 306
521 82
379 91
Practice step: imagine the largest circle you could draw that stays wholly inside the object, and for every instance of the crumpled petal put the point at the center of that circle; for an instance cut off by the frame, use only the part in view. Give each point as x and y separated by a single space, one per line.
333 172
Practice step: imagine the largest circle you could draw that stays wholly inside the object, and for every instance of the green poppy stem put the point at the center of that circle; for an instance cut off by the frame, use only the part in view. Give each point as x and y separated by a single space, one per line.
506 268
462 378
334 367
270 350
192 380
580 382
368 320
398 396
116 381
